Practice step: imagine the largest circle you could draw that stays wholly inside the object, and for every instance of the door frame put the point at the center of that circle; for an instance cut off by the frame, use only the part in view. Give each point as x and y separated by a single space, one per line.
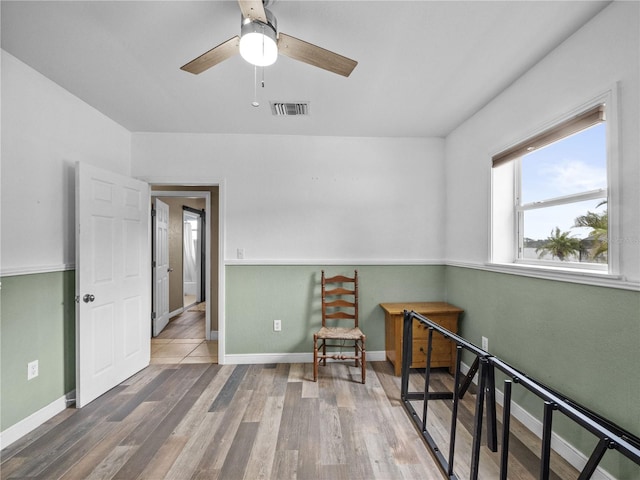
159 182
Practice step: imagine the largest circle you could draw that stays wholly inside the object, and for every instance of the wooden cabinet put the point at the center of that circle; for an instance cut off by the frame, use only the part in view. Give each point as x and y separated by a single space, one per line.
443 353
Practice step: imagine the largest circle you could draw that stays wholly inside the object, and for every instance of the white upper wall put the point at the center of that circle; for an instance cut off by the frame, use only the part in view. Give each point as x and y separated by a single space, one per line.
45 130
281 194
605 51
291 199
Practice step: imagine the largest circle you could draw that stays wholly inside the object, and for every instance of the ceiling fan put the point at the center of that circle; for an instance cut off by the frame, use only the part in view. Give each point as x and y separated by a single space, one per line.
260 43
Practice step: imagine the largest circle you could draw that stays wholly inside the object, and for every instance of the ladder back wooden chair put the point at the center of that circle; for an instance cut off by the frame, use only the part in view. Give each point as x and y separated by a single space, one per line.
339 324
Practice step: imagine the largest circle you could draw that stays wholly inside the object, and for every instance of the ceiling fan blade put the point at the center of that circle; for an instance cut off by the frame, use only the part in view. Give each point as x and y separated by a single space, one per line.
313 55
253 9
213 57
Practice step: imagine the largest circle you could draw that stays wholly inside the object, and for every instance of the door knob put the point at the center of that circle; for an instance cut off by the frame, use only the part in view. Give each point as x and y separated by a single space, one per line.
88 298
169 269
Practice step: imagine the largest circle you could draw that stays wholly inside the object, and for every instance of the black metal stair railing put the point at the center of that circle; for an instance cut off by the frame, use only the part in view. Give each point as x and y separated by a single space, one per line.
611 437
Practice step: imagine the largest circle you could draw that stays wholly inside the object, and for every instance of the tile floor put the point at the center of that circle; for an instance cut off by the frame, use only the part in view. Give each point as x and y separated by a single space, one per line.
182 340
183 350
189 300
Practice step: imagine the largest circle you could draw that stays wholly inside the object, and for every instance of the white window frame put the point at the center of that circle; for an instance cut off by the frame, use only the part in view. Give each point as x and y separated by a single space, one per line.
565 200
506 233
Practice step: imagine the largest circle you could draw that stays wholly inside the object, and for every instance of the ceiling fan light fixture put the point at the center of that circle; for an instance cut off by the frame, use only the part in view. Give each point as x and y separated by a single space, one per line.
258 44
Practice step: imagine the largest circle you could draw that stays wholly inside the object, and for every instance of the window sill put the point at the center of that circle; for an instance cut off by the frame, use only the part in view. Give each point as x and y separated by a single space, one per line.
592 277
598 269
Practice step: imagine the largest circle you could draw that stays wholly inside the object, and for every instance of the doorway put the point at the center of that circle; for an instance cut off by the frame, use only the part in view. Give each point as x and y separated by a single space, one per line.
194 271
183 341
194 256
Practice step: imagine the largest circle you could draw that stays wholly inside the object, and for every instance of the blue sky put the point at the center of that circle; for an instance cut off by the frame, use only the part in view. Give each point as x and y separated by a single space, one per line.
572 165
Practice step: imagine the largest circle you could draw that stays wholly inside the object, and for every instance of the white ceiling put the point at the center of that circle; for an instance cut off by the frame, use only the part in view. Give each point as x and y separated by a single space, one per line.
424 66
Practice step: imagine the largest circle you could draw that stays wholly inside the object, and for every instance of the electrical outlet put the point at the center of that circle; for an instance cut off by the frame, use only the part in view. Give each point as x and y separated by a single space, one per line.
32 369
485 344
277 325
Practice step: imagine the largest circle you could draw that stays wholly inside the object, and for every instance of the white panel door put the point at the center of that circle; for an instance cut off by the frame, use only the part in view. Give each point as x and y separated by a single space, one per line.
161 267
113 280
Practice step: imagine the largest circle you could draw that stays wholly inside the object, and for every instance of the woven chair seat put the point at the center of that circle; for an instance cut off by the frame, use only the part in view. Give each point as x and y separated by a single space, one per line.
340 333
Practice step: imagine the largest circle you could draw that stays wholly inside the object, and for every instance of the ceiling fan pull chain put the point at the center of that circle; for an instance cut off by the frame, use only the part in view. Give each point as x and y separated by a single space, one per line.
255 102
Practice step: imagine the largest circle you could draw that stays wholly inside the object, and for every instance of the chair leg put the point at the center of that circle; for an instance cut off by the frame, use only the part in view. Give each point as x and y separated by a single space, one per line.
315 358
364 360
324 352
355 348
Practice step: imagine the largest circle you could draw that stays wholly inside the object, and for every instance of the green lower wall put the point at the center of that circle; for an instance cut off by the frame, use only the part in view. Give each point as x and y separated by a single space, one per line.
37 322
257 295
581 340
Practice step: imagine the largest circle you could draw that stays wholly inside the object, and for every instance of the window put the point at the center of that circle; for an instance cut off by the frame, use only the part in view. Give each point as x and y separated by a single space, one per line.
550 205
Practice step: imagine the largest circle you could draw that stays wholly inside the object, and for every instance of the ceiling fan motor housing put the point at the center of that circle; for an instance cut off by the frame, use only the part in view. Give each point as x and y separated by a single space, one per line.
271 21
258 40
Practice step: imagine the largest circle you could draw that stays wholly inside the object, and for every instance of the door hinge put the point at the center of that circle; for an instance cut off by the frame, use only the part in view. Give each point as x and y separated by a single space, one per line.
153 212
153 315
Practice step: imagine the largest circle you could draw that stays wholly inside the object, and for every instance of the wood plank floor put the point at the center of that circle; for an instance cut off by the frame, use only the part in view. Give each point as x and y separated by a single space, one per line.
200 421
189 324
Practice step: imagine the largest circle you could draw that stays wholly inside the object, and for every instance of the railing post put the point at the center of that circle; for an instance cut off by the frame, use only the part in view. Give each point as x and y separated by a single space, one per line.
506 423
454 411
427 379
407 336
492 431
477 424
545 454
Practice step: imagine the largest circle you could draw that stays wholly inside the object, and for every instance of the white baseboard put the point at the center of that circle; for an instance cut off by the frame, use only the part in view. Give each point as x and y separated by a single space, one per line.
33 421
261 358
563 448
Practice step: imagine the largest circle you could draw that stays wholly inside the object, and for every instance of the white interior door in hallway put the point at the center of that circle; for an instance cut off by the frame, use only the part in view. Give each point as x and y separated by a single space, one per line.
161 266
